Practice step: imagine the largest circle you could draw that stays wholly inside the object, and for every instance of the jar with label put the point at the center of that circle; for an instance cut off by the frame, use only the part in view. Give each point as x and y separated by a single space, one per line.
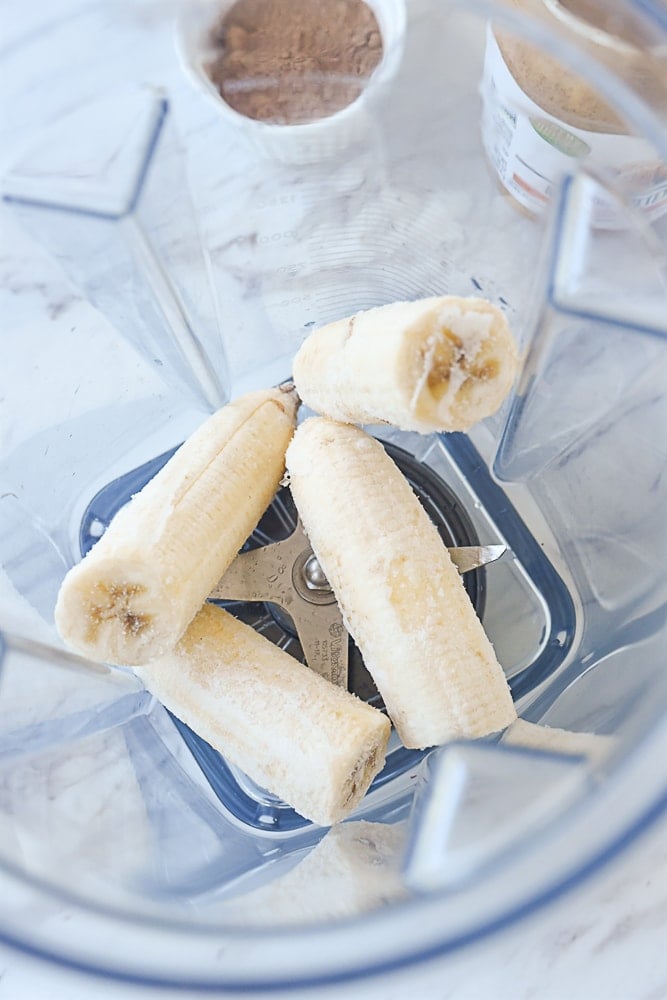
539 116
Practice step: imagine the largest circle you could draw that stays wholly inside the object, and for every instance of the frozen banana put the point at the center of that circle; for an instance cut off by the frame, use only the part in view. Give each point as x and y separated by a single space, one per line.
294 733
402 598
356 867
540 737
134 594
438 364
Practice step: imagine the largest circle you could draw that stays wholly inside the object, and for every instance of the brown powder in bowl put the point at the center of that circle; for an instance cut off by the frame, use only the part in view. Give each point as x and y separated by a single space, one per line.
289 62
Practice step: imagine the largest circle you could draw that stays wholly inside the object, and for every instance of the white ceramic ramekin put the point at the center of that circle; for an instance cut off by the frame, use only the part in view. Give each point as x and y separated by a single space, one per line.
304 143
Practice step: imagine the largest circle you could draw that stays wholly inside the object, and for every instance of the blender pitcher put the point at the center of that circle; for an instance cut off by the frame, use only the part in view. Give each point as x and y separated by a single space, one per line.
513 151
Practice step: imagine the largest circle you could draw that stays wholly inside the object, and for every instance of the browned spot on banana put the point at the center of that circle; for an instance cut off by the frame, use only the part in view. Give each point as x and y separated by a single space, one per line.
480 373
452 338
366 767
117 606
438 377
279 403
446 356
134 624
485 372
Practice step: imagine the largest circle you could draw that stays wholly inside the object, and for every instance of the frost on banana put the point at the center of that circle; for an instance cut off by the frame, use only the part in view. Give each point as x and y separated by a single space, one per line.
438 364
290 730
540 737
134 594
401 595
356 867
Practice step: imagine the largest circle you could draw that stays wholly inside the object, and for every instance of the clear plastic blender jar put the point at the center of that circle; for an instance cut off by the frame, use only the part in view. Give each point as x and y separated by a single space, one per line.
179 254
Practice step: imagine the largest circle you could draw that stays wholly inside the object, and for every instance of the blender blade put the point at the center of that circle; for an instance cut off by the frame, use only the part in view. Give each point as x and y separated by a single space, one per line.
288 574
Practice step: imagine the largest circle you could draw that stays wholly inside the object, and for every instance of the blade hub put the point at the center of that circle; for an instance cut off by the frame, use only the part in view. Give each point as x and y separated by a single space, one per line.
313 575
309 580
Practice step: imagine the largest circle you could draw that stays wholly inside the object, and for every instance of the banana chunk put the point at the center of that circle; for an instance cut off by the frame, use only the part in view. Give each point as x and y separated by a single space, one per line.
356 867
290 730
540 737
134 594
438 364
401 596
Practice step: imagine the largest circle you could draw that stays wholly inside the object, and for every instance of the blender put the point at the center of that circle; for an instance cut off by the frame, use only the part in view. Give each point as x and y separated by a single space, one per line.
194 253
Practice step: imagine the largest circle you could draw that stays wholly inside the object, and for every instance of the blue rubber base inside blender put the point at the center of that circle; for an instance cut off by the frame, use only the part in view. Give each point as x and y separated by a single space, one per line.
250 804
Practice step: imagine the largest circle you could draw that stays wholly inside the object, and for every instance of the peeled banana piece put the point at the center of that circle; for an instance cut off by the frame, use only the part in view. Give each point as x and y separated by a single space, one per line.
401 596
549 738
134 594
437 364
290 730
356 867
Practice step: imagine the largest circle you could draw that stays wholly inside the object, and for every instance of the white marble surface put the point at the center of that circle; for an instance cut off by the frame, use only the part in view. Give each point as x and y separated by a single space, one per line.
606 939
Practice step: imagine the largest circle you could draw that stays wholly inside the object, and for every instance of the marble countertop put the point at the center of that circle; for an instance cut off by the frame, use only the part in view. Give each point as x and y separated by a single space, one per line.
604 940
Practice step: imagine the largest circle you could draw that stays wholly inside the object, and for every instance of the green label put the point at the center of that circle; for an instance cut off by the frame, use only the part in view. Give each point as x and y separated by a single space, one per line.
562 140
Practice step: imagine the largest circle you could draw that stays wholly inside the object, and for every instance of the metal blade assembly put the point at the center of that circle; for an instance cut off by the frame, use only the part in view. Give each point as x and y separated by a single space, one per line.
286 573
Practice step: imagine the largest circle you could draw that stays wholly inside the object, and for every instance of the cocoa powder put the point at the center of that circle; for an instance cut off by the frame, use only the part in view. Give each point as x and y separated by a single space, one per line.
293 61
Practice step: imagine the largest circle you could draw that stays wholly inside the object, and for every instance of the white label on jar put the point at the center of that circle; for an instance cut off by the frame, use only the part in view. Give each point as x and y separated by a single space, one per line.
531 149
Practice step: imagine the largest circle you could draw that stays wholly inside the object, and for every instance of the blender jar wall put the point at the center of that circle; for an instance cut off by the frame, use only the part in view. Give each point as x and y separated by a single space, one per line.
416 211
104 190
